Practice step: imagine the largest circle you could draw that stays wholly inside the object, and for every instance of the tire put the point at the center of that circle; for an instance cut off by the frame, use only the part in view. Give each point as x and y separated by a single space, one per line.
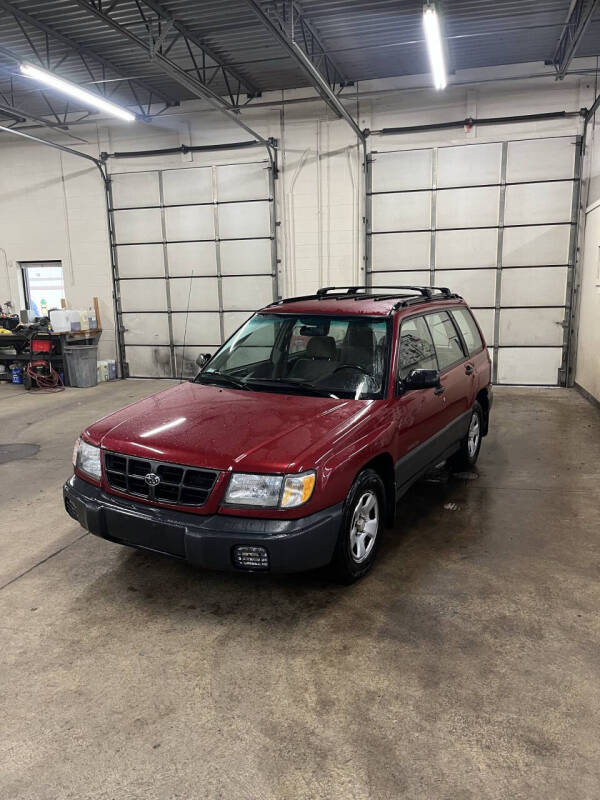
467 456
361 529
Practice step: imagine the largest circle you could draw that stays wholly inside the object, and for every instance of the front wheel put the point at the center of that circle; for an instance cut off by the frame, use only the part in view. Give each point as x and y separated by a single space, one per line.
361 529
470 445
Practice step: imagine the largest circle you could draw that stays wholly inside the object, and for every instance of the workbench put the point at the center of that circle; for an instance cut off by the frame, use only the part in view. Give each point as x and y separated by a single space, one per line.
15 348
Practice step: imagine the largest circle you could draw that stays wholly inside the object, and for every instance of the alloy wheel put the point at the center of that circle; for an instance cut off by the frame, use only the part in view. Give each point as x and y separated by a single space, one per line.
364 526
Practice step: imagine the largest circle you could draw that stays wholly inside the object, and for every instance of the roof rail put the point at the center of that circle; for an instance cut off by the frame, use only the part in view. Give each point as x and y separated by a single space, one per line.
423 294
368 290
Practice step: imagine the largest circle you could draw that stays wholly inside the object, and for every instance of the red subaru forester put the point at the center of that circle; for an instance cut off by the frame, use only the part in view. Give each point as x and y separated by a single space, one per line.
291 447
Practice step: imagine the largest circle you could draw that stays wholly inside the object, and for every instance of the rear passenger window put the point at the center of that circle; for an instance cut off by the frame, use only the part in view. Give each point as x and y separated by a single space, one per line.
416 347
446 340
468 328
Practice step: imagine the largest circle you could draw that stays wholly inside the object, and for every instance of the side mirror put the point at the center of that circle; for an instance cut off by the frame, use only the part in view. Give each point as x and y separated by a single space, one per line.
203 359
422 379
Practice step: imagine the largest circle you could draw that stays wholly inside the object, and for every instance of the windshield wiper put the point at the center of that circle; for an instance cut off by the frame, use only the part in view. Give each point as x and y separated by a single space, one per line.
221 377
292 384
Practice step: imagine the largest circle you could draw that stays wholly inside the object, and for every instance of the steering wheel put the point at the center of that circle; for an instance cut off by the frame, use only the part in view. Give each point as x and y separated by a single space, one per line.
352 366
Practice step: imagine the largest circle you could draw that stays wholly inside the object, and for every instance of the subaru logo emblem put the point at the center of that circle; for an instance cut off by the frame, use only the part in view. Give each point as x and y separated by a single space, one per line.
152 479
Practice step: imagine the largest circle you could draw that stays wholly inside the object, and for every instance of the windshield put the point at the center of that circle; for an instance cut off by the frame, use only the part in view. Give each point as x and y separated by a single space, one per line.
324 355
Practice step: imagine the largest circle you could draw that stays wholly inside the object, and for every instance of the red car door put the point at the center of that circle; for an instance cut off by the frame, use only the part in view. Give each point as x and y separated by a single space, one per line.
419 413
478 363
456 376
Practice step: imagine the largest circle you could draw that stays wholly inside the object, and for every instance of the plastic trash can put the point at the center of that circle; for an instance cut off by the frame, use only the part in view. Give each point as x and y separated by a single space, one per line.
81 364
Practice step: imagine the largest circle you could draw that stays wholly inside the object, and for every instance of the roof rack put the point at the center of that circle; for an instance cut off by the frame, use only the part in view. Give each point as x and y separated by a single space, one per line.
357 293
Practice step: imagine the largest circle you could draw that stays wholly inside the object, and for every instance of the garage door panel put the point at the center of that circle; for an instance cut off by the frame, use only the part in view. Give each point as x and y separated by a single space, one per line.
232 320
469 165
404 278
192 185
141 260
467 208
149 329
540 286
400 250
196 329
242 182
187 257
530 246
540 159
192 238
246 293
135 189
238 220
246 256
485 318
531 326
138 225
197 294
143 295
189 354
529 366
149 362
477 286
470 248
401 211
538 203
404 169
189 222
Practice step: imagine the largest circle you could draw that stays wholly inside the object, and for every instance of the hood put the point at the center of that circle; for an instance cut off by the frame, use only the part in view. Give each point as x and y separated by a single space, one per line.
209 426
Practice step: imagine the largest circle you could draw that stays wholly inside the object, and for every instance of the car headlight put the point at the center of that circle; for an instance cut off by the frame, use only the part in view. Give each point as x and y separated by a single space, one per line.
269 491
86 458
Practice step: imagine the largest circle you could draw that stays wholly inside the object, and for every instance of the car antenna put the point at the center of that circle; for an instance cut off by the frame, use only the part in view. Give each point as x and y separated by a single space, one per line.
187 313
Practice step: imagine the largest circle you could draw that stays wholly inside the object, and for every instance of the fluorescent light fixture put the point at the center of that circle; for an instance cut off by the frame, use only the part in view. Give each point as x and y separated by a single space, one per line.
71 89
431 24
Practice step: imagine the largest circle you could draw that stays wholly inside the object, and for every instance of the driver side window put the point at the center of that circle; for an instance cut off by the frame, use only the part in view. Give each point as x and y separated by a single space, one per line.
416 350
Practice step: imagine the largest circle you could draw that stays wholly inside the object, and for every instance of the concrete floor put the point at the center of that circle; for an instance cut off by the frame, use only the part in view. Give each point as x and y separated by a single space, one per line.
466 665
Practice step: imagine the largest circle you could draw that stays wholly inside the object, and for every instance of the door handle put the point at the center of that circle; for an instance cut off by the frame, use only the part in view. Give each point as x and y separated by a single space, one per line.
469 369
440 390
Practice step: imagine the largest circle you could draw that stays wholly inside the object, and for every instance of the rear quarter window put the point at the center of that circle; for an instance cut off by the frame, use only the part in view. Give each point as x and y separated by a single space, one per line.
468 328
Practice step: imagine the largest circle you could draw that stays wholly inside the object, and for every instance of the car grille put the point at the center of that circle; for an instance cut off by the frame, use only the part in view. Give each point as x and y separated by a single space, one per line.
184 486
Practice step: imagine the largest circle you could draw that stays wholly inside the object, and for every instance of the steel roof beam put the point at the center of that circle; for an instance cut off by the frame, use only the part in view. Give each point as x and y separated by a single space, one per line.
194 83
9 102
170 22
20 115
85 54
578 18
292 15
320 81
162 33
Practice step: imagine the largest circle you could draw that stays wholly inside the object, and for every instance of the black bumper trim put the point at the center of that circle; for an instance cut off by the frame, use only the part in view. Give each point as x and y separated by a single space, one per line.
208 541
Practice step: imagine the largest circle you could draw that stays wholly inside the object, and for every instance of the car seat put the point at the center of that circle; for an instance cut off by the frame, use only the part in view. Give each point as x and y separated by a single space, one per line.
359 346
317 363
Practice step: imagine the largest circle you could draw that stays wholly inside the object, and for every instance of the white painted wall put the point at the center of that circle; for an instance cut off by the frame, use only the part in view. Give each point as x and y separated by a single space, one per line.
52 205
588 342
52 208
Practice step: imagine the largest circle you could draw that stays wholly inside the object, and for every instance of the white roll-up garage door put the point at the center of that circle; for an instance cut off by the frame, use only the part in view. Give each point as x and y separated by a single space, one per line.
495 222
194 250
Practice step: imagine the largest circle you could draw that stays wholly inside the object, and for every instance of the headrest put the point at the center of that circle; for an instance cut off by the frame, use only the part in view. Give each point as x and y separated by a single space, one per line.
321 347
360 335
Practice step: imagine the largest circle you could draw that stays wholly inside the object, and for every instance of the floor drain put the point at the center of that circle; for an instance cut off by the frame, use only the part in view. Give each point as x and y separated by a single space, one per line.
14 452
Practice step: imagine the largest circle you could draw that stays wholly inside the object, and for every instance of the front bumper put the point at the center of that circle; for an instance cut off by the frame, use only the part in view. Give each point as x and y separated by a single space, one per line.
292 545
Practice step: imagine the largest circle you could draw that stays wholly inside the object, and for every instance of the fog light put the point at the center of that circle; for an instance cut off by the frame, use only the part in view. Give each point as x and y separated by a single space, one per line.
246 557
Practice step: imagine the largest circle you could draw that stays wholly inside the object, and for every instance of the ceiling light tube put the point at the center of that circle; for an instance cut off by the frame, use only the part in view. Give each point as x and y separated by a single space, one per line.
435 50
71 89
